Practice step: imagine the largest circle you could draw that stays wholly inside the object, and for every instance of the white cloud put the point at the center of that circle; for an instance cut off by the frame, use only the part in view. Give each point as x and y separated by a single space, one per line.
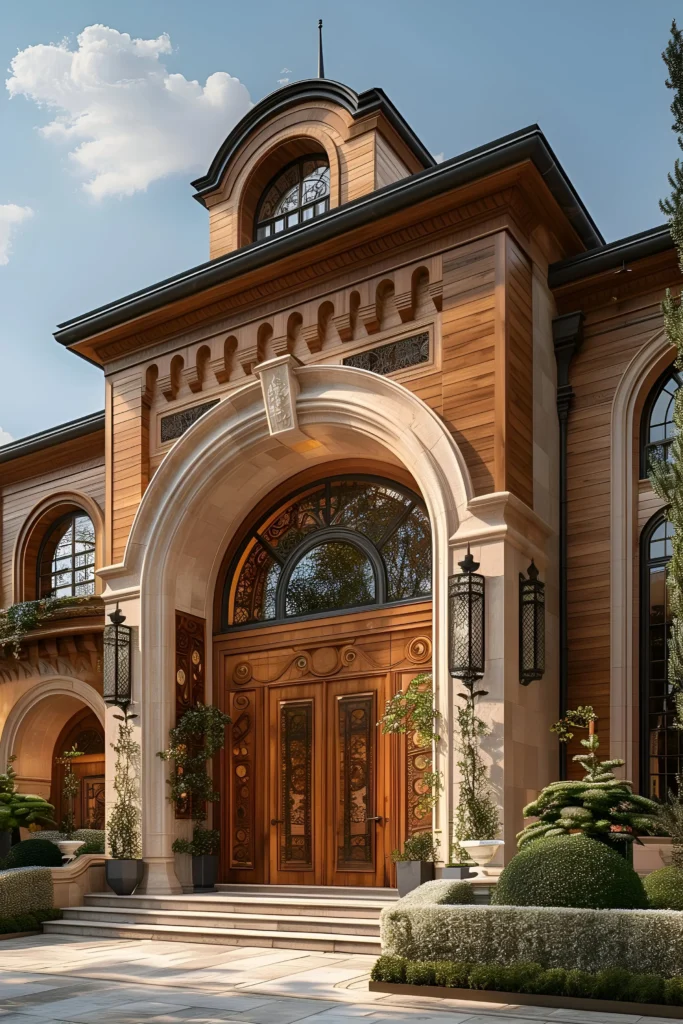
5 437
439 158
11 216
127 119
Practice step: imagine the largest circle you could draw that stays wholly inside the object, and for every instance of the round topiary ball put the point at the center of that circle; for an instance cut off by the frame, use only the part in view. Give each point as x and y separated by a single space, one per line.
664 889
34 853
569 871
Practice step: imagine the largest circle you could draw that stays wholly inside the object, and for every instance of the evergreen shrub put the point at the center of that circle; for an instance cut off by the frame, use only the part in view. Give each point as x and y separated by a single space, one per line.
664 889
34 853
569 871
460 893
25 891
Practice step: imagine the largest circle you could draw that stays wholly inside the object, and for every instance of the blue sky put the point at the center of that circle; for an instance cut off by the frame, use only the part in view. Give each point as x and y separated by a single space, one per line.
104 217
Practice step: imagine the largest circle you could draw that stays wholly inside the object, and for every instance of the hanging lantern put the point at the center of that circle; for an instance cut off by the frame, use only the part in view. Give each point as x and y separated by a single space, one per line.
466 614
531 626
117 661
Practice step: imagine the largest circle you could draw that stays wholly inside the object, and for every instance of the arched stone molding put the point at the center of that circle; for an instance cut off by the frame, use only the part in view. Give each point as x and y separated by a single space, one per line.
35 721
38 518
634 385
204 489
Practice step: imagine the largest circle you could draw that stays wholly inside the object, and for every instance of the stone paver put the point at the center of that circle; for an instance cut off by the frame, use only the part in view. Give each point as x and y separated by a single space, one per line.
55 979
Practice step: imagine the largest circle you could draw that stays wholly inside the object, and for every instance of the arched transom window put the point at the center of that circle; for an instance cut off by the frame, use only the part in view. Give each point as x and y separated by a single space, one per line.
66 564
299 193
344 542
658 428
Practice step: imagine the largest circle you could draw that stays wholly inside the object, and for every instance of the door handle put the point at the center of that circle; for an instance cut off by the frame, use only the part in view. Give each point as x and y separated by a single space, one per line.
377 818
277 821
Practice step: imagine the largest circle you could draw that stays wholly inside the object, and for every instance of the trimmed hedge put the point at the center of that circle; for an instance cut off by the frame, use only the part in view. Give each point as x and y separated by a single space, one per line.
664 889
569 871
88 835
33 853
421 927
25 891
614 983
28 922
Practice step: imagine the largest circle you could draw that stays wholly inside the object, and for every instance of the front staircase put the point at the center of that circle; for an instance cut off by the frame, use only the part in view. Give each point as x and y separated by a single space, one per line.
326 919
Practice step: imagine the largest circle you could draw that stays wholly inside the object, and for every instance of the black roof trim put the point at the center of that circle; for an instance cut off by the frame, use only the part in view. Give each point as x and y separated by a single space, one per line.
611 256
299 92
55 435
527 144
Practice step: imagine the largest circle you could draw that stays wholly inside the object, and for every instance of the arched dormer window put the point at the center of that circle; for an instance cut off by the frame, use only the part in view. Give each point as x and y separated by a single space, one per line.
66 561
298 193
342 543
657 425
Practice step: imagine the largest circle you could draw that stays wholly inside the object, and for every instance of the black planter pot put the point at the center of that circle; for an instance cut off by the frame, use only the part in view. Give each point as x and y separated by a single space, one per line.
5 844
124 876
411 873
205 871
457 871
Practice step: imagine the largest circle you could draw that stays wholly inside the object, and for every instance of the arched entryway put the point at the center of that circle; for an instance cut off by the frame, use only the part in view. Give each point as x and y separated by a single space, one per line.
324 612
83 732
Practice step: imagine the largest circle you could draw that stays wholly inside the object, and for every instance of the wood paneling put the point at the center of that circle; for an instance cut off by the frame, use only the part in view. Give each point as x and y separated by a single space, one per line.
129 413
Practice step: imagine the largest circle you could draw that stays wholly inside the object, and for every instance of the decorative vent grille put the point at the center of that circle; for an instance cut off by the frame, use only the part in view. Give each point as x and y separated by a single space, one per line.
177 423
396 355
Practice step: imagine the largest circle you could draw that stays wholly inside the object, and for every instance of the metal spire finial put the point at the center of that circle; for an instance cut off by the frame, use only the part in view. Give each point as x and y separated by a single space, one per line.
321 63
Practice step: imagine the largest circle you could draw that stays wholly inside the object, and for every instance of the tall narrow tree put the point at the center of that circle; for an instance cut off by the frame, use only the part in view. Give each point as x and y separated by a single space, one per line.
666 470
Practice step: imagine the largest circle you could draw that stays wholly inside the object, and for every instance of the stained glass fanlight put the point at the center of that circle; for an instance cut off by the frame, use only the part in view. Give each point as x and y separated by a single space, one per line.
299 193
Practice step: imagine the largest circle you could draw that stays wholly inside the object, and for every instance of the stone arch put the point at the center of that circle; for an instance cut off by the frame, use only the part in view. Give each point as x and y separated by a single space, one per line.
34 528
629 397
204 489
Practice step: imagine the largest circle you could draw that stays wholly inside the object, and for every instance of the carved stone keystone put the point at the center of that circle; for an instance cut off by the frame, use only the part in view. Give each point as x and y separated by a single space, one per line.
280 391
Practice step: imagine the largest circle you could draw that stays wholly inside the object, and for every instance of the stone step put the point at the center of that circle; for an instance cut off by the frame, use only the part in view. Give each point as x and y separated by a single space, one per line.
329 942
225 903
198 918
319 892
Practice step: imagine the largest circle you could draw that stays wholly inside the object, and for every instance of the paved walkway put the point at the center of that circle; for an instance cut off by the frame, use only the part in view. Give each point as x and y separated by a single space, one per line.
59 980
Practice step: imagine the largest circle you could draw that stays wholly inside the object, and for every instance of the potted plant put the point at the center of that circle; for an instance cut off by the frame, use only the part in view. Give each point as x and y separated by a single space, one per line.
19 810
459 865
415 863
124 869
204 848
477 823
70 787
195 740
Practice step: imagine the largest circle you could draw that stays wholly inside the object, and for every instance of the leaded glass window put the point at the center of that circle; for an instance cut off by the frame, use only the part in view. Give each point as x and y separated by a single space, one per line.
341 543
662 742
67 558
658 428
299 193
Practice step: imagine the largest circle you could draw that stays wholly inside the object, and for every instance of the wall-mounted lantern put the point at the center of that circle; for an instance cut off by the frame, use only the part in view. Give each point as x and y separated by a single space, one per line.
531 626
117 661
466 615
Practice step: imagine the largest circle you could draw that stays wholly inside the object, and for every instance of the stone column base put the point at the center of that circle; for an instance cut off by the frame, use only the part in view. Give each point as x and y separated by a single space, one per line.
159 878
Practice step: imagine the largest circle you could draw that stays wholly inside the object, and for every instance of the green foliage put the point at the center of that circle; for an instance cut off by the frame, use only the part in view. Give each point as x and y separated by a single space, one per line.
34 853
599 806
476 814
671 820
123 826
21 809
569 871
613 983
97 846
204 841
413 709
20 619
459 894
664 888
70 787
420 846
197 737
28 922
25 890
666 473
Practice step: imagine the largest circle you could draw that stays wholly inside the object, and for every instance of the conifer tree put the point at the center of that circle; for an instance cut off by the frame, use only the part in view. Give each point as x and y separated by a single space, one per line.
666 471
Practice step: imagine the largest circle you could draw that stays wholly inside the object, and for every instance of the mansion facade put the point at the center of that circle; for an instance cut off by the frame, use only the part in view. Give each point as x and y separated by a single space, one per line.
385 361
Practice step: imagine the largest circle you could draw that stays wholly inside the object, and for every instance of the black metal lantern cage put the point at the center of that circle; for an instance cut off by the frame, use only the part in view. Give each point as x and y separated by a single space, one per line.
467 615
117 643
531 626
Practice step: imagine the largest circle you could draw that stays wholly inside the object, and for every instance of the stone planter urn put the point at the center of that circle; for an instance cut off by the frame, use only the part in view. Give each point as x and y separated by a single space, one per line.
68 848
124 876
205 871
411 873
482 852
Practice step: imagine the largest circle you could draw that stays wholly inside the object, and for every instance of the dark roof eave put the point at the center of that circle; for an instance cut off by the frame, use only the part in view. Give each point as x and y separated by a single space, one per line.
609 257
527 144
55 435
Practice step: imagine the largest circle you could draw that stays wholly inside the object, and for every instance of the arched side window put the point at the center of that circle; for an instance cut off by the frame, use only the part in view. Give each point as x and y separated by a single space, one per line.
657 425
66 562
342 543
298 193
661 743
